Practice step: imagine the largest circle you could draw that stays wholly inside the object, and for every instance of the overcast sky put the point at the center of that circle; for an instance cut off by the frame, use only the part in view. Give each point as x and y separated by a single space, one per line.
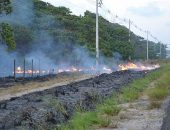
152 15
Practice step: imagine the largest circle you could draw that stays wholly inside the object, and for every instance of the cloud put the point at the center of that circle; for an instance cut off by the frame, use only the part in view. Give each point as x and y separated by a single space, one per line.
150 10
167 24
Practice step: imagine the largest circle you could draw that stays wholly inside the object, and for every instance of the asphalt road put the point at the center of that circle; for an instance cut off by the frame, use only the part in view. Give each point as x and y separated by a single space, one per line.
166 122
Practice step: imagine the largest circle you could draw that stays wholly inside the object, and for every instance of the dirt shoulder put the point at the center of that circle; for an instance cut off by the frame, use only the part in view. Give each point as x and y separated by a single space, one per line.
138 116
142 114
166 121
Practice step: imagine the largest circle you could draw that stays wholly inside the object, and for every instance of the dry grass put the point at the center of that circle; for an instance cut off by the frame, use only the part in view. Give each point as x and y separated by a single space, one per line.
155 104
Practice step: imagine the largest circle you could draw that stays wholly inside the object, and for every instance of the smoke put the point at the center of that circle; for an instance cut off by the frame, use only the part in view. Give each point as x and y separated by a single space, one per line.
22 13
48 52
6 61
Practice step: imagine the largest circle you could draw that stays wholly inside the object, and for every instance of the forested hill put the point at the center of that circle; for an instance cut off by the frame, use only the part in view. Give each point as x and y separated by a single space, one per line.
57 31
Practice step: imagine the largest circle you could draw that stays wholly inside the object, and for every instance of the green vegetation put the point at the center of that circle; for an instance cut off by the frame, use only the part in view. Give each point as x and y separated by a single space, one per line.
6 31
5 7
68 30
7 35
158 93
81 30
102 116
160 90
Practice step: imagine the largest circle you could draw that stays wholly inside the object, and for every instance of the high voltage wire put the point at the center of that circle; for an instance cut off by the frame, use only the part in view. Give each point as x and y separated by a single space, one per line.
124 20
114 18
99 4
133 24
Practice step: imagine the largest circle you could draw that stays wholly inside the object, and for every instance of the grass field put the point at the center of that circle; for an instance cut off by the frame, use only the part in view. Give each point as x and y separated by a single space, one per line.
156 85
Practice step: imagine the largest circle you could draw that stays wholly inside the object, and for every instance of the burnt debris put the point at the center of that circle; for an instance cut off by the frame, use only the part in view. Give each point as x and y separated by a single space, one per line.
48 108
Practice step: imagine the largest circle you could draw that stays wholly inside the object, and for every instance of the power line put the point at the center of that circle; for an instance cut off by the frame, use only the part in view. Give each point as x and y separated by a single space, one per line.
124 20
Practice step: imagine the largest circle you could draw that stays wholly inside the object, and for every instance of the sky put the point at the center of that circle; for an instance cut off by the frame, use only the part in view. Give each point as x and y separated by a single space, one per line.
151 15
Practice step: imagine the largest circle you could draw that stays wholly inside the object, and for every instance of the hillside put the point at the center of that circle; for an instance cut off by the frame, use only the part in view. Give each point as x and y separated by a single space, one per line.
55 33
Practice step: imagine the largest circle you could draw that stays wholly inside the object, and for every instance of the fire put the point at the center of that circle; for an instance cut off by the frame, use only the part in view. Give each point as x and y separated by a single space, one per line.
138 66
128 66
92 69
107 70
69 69
19 70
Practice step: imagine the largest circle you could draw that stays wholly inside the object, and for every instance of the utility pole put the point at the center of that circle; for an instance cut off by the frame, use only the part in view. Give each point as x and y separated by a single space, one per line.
129 30
129 35
147 50
24 69
97 34
14 69
39 66
32 68
98 4
160 50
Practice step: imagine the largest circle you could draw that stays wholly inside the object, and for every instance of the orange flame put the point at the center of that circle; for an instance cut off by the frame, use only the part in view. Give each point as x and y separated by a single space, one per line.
103 69
19 70
140 67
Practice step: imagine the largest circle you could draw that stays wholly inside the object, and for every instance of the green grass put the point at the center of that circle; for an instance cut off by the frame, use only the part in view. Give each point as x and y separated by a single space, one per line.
109 107
101 116
158 93
110 110
160 90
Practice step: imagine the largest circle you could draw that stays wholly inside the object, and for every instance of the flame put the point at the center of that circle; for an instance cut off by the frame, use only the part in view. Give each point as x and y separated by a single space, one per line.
128 66
70 69
107 70
139 66
92 69
19 70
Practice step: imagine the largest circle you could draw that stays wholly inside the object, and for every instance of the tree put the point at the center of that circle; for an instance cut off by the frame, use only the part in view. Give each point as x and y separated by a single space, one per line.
7 35
6 31
23 37
5 7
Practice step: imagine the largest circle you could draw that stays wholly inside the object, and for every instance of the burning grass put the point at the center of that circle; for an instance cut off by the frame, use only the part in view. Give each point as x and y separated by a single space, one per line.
138 66
101 68
94 120
21 88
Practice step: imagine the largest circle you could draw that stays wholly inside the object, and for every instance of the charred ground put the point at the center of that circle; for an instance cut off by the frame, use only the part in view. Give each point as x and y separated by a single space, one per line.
46 109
